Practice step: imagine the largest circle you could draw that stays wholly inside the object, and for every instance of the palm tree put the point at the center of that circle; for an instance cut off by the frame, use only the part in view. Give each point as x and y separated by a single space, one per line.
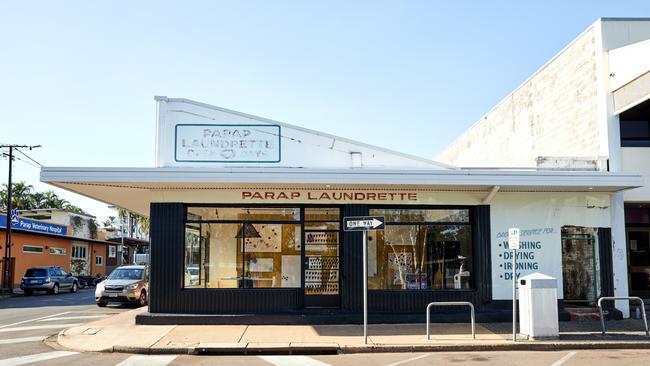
21 196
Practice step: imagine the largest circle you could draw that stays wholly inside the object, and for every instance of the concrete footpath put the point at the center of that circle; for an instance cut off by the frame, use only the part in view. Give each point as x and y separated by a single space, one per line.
120 334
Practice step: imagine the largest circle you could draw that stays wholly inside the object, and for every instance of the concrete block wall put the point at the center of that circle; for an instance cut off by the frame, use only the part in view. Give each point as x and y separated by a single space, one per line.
554 113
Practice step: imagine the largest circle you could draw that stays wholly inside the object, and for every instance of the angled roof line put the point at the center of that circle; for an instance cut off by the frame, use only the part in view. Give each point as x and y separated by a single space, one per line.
307 130
484 116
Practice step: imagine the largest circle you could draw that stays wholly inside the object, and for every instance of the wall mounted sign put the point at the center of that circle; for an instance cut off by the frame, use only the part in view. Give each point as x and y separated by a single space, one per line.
227 143
30 225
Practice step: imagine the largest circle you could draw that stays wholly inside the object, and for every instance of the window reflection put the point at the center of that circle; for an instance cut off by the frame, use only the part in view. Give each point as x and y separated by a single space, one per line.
420 256
242 255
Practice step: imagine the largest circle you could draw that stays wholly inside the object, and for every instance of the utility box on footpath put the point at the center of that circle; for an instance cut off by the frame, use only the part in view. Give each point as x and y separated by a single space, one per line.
538 314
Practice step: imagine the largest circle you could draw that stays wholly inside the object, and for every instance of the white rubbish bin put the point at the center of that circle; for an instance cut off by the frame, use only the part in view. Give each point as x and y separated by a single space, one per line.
538 306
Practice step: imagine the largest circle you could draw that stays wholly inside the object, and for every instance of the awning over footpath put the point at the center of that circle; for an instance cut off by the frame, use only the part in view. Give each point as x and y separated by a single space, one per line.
136 188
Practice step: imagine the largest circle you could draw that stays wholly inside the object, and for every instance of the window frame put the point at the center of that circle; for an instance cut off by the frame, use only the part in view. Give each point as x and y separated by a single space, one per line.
78 249
42 249
101 260
471 223
300 221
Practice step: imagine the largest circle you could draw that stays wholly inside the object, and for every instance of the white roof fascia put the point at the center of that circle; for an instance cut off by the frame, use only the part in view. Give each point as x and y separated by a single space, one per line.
306 130
617 181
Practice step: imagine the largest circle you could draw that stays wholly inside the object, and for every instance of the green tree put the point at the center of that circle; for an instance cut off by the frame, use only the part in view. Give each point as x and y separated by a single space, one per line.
24 197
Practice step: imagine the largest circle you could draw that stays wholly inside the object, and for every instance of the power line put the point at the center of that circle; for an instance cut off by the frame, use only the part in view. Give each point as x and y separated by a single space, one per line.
27 162
29 157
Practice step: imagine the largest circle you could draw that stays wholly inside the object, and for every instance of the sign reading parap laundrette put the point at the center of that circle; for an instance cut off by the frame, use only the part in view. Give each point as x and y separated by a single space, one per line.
227 143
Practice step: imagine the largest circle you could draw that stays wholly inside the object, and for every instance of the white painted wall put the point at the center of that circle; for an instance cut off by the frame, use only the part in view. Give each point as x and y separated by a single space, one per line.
637 159
299 147
553 113
540 216
627 63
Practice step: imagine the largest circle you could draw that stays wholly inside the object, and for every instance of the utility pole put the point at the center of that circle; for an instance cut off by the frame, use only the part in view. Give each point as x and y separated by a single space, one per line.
6 263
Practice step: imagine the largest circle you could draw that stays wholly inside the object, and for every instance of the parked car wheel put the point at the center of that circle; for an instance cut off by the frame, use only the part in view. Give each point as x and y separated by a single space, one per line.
29 292
102 303
55 289
74 287
142 300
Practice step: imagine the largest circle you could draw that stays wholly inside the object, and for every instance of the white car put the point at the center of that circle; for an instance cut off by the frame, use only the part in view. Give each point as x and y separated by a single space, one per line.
126 284
192 274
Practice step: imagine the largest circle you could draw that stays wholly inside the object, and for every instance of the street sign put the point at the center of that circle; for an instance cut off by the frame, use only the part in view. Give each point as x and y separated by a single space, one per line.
513 244
14 217
363 223
513 238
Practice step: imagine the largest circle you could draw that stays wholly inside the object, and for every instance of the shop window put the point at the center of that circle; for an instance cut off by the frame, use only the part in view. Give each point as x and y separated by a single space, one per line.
58 251
99 260
417 251
32 249
243 214
261 253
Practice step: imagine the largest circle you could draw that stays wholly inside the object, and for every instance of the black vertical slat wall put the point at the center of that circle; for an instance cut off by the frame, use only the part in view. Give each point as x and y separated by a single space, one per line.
352 255
606 263
167 235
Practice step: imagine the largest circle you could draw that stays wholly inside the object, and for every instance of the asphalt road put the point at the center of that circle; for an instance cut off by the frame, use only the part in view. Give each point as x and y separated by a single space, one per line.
26 321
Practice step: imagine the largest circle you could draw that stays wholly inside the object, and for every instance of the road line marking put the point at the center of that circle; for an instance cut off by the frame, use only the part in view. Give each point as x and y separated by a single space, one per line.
564 359
73 317
409 359
15 361
33 320
149 360
34 327
21 340
293 361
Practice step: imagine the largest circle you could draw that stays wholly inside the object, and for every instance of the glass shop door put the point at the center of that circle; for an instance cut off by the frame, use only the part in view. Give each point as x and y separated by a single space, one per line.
320 254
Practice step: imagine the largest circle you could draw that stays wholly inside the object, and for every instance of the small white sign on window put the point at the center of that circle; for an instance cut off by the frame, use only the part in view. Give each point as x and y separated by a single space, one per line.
513 239
112 251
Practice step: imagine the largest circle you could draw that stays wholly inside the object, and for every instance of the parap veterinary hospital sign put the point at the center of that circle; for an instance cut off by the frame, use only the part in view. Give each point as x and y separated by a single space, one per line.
227 143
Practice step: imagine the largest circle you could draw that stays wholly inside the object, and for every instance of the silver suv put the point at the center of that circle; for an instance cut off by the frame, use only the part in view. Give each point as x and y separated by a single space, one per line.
126 284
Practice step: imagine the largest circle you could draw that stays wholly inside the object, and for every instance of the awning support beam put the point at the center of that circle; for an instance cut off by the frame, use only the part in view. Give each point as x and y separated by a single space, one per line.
491 195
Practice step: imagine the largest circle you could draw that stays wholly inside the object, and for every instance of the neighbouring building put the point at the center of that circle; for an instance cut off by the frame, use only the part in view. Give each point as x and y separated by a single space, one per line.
54 237
586 109
246 218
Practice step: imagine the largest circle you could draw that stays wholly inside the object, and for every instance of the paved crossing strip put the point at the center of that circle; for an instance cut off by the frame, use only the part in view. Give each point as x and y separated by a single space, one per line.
22 360
149 360
22 340
293 361
35 327
564 359
32 320
73 318
409 359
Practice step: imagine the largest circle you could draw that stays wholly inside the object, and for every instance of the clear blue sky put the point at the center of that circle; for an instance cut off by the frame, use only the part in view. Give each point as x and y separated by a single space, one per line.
79 77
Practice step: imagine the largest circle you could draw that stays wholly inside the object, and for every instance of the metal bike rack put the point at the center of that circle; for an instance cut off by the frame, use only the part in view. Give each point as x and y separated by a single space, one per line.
602 317
454 303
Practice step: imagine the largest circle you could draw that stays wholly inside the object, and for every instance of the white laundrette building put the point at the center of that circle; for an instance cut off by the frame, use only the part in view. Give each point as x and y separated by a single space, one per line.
246 219
586 109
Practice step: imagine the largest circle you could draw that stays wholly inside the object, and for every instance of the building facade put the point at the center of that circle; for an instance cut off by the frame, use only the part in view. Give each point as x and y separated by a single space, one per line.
246 218
586 109
54 237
